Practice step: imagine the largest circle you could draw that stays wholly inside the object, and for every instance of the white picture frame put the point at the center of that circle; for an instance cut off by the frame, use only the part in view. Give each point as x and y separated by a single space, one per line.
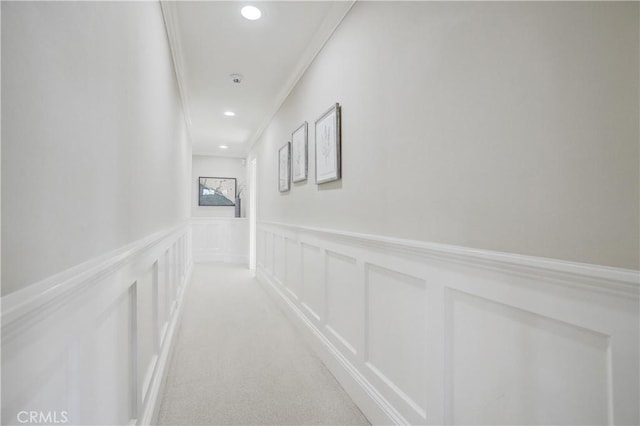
284 168
299 153
328 146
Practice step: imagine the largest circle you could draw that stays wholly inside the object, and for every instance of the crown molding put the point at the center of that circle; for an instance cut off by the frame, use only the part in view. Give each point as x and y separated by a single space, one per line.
331 22
170 15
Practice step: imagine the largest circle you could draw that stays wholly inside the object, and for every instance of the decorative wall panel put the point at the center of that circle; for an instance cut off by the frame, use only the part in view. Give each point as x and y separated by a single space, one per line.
512 366
421 333
312 281
91 344
344 306
220 240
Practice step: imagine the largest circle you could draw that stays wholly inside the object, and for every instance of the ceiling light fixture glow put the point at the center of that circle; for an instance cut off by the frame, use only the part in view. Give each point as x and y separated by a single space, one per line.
223 147
251 13
229 113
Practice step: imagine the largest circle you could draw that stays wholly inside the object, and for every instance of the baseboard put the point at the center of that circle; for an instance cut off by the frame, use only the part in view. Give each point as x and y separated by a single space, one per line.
373 405
152 411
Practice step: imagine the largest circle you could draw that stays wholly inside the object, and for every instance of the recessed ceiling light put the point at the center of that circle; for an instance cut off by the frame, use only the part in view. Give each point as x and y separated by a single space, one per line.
251 13
223 147
229 113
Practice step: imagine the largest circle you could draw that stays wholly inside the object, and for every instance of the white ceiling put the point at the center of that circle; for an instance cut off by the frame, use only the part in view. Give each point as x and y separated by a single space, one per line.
211 40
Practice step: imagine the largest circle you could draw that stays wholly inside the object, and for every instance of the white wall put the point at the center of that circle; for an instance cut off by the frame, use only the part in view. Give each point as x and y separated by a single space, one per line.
211 166
500 129
504 126
95 149
96 172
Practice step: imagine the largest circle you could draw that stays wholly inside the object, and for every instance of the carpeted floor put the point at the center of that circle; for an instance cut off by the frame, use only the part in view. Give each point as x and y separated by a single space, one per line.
238 361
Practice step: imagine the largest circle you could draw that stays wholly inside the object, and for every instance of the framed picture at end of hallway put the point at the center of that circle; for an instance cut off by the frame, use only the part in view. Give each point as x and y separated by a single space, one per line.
216 191
299 153
284 167
328 140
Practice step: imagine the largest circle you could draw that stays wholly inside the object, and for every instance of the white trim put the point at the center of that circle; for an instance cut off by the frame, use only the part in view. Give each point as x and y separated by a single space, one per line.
377 409
618 281
63 317
410 402
253 190
156 389
33 300
332 21
220 239
529 296
175 46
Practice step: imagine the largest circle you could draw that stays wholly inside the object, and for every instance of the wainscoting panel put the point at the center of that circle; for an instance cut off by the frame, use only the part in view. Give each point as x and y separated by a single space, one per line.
261 248
164 299
312 281
541 370
395 335
269 252
421 333
279 265
293 279
344 306
90 345
220 239
148 323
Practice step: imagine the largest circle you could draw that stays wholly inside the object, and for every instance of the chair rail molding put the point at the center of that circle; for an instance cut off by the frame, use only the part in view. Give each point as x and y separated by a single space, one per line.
425 333
93 342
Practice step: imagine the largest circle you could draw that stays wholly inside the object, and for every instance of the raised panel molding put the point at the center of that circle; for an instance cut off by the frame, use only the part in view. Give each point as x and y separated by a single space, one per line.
261 242
280 255
220 240
421 333
510 366
293 279
396 334
344 306
268 253
94 341
312 281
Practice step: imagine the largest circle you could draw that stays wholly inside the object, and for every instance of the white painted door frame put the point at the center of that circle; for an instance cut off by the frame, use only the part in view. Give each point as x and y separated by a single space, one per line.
253 188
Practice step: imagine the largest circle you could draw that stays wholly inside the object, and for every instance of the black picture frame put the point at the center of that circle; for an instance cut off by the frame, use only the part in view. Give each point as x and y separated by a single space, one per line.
217 191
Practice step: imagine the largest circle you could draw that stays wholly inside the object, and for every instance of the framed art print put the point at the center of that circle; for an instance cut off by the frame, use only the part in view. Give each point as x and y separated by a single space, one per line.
299 153
328 166
284 170
216 191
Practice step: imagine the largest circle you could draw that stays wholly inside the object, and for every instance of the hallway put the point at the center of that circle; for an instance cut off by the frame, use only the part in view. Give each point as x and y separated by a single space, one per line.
237 360
433 209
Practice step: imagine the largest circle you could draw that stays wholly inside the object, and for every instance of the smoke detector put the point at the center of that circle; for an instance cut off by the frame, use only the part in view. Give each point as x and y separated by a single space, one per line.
236 78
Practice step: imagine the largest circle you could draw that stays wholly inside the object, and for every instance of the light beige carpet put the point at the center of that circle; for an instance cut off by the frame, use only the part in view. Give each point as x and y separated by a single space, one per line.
238 360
